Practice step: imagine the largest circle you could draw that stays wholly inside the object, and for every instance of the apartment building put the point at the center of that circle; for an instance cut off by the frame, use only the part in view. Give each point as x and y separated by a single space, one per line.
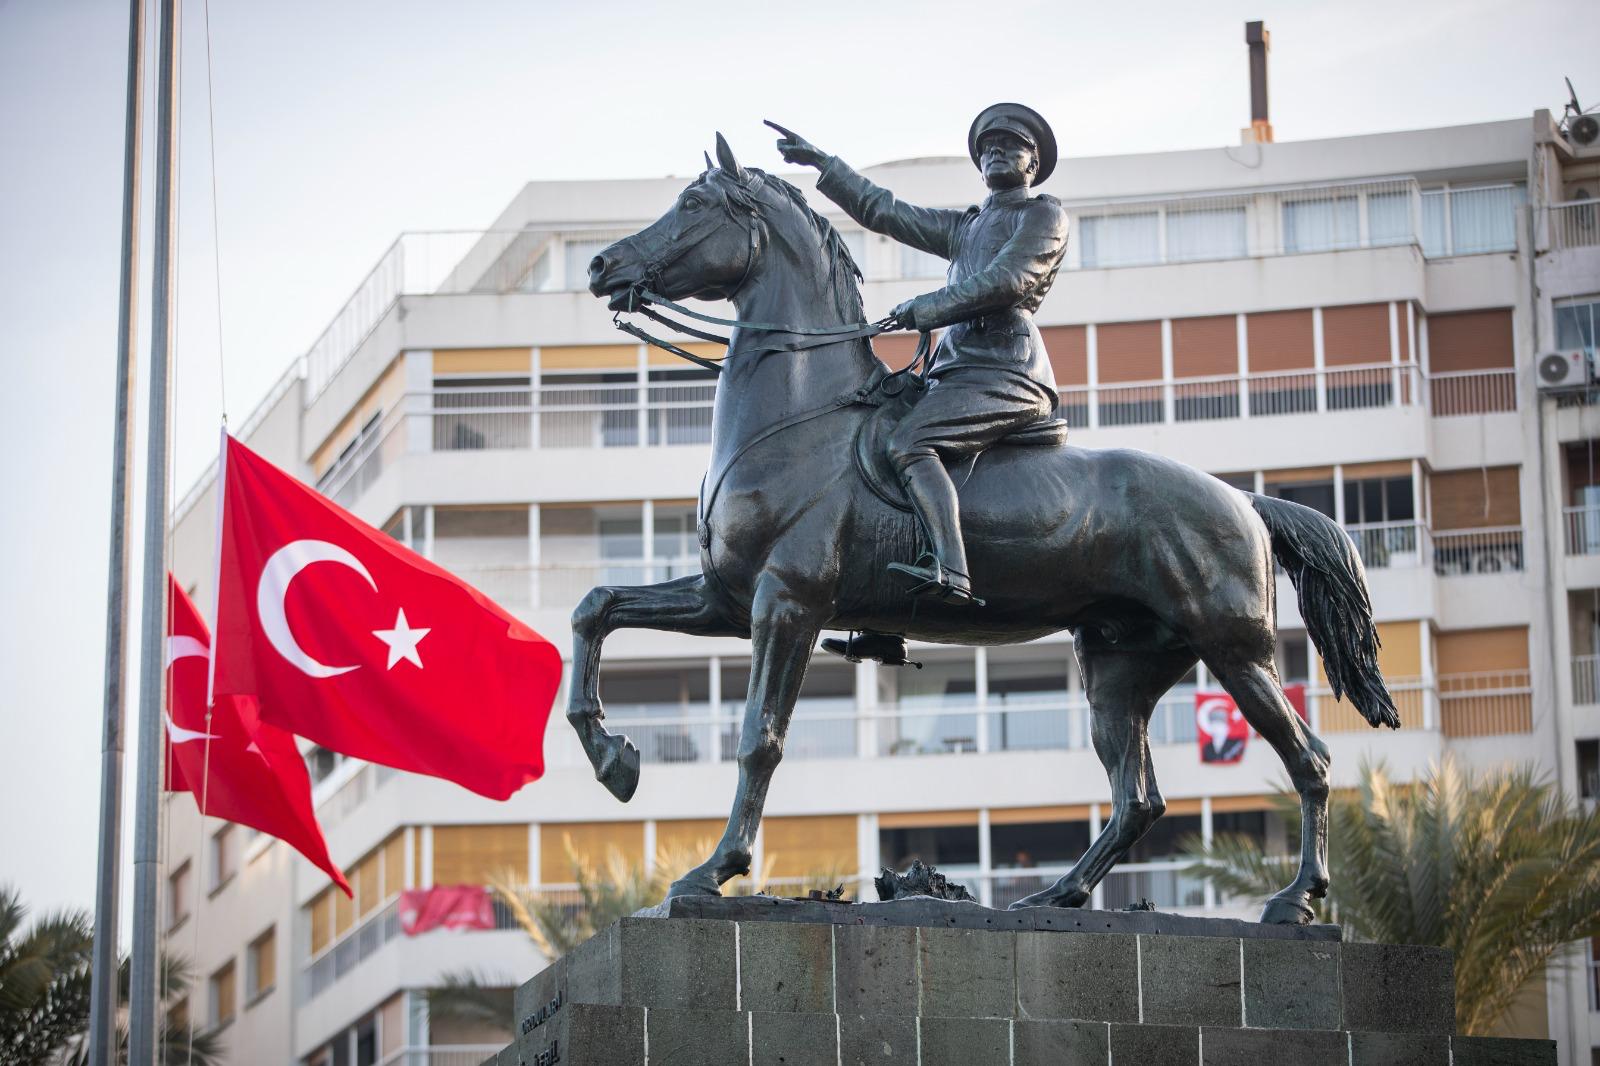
1354 324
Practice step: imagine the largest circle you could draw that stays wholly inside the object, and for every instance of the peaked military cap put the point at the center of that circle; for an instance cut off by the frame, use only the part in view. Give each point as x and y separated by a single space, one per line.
1023 121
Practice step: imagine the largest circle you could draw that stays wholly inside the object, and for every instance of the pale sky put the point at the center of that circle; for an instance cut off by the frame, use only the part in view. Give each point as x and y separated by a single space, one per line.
340 125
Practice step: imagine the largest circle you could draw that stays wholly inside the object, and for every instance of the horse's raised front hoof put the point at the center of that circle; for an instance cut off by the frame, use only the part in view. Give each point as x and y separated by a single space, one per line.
1052 897
1287 910
618 768
694 883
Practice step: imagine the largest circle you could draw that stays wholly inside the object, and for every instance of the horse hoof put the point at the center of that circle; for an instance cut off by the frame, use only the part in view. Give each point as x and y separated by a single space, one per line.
1049 898
692 884
1281 910
619 768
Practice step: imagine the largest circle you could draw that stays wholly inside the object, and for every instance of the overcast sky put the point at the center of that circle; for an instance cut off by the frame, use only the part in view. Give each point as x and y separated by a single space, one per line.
338 125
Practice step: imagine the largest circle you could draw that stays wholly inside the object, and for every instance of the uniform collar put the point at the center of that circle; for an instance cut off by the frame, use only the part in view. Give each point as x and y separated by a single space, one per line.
1018 195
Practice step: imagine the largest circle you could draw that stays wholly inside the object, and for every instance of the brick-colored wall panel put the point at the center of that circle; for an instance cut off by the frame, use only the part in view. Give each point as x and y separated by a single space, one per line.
1474 651
1128 351
1069 353
1476 499
896 349
1355 334
1470 340
1280 340
1205 347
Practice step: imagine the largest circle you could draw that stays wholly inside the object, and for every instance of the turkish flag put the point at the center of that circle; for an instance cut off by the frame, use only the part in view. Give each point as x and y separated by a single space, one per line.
238 767
445 907
1221 729
354 641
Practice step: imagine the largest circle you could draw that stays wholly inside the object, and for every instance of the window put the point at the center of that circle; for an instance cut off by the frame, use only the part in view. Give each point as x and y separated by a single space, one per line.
1379 499
1210 233
1293 657
1469 221
478 413
1029 844
180 895
942 846
577 257
1321 225
1317 495
320 762
1121 240
676 548
589 410
1388 218
223 1005
855 241
915 263
680 402
1589 769
224 856
262 959
1576 322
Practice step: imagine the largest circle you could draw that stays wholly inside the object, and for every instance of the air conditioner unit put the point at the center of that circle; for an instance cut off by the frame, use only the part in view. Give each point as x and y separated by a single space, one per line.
1563 370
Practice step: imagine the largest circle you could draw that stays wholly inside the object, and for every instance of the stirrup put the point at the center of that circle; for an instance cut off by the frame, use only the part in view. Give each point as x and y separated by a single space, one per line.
886 648
935 580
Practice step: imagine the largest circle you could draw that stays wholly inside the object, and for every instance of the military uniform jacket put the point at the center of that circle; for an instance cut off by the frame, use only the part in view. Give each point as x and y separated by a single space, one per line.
1003 258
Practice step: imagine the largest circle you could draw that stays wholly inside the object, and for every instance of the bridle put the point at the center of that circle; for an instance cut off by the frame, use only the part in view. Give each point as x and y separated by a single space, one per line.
641 295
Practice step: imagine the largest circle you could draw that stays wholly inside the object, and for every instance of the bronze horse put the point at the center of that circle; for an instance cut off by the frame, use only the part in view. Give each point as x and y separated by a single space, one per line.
1152 565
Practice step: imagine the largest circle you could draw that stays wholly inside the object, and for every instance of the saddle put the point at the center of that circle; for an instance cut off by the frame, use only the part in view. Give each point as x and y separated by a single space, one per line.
895 395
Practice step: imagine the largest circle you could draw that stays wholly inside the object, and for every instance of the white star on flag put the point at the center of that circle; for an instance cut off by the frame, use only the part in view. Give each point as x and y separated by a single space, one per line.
402 640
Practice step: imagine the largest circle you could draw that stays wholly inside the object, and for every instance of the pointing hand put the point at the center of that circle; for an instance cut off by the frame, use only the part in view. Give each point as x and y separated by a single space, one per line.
796 149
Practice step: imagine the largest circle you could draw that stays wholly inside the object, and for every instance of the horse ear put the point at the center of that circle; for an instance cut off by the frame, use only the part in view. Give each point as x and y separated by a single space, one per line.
709 163
725 158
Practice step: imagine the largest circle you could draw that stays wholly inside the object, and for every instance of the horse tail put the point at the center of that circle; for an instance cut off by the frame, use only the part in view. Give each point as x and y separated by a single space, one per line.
1332 585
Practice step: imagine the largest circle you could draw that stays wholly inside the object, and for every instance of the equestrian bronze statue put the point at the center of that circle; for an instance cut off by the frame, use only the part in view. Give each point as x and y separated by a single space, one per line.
1150 564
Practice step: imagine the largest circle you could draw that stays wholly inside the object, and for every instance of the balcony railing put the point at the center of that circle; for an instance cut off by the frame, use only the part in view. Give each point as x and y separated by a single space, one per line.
1472 392
1583 530
1485 704
834 729
354 947
1574 225
1586 679
442 1055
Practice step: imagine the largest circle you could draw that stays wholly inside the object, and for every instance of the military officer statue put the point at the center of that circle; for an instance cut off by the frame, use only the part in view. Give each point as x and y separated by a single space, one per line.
990 375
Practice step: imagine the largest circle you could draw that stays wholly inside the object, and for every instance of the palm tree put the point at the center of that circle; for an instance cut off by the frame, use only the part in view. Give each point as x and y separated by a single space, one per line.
44 980
1500 868
45 977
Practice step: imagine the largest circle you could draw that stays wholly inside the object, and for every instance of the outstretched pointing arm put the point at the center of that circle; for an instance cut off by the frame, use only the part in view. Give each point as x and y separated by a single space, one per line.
931 230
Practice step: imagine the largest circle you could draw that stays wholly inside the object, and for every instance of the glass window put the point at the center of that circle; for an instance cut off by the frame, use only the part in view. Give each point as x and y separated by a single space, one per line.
941 846
180 892
224 856
1243 482
676 548
1293 657
1121 240
946 679
1029 844
320 762
1317 495
589 410
1321 225
680 405
915 263
1589 769
1484 219
855 241
1211 233
1576 322
1030 675
261 976
1371 500
1433 223
472 414
1165 838
1388 218
577 257
656 690
223 995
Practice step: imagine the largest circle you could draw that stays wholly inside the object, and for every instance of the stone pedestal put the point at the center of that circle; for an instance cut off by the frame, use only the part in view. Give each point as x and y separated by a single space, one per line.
762 982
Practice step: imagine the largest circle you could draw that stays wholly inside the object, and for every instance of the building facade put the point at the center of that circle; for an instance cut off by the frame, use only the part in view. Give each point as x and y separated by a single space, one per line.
1354 324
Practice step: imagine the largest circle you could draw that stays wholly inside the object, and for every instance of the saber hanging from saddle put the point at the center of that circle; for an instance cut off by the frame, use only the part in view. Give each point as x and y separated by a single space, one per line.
640 298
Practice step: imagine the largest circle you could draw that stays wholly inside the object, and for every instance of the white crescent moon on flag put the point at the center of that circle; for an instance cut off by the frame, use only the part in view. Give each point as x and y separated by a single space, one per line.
182 647
281 569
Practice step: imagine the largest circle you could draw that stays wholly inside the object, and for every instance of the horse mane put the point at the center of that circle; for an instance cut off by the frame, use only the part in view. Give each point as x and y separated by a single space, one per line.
844 276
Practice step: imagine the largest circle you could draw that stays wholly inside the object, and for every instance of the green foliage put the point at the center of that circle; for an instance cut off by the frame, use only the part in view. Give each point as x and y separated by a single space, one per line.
45 977
1500 868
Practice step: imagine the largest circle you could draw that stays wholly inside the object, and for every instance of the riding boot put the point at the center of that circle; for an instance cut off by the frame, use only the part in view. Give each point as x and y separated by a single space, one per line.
943 572
886 648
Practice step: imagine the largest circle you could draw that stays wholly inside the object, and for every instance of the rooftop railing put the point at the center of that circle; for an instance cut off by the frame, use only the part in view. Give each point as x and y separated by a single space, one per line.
1574 225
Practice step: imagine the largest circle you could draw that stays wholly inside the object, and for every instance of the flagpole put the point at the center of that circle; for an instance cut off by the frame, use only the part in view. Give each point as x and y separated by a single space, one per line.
143 1026
108 876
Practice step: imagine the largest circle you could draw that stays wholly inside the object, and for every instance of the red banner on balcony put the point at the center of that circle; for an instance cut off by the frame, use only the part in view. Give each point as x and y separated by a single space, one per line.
445 907
1221 729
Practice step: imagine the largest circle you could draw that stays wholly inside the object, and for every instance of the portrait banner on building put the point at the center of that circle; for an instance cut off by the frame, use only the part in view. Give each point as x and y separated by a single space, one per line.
1221 729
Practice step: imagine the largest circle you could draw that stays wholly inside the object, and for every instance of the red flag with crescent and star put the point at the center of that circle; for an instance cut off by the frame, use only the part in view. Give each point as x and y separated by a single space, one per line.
238 767
1221 729
350 639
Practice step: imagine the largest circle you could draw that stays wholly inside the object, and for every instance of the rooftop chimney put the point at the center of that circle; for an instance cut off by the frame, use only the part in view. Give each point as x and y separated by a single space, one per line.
1260 42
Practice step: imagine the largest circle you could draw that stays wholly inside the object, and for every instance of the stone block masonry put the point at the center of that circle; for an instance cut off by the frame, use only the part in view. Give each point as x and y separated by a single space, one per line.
757 982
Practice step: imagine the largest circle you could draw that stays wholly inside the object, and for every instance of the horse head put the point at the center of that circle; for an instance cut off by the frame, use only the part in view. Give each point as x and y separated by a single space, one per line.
711 243
703 247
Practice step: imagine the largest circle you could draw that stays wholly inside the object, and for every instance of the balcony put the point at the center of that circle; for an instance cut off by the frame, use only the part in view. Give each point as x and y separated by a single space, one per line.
1573 225
1451 553
1288 220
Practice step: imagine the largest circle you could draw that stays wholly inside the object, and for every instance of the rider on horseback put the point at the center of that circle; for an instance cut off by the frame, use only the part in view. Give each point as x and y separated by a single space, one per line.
990 375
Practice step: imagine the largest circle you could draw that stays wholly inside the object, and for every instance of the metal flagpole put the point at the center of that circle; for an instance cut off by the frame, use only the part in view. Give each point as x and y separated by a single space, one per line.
108 879
143 1027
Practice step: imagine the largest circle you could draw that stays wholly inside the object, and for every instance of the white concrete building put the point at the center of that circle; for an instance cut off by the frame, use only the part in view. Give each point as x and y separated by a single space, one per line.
1350 323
